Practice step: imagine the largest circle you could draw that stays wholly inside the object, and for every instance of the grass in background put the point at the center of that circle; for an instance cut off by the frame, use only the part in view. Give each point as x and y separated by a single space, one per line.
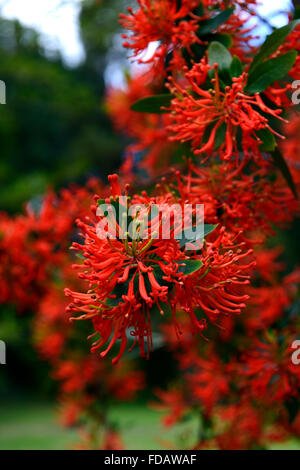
27 426
34 426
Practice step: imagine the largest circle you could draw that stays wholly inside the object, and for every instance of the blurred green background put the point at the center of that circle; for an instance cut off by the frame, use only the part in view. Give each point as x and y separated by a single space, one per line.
53 129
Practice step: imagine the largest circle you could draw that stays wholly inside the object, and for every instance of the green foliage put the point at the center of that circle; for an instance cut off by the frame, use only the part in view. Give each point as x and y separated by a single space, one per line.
208 228
268 140
272 42
270 71
211 24
153 104
280 163
217 53
296 15
23 372
191 266
236 68
293 407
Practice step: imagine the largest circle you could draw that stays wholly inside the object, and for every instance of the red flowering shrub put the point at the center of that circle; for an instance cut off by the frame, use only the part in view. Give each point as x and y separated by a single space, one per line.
194 111
227 113
35 264
218 111
128 276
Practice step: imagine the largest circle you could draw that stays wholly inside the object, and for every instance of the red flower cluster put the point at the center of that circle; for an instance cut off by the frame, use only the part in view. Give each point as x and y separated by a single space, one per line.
224 106
128 276
250 203
207 91
29 245
172 27
195 109
35 266
236 395
290 147
163 21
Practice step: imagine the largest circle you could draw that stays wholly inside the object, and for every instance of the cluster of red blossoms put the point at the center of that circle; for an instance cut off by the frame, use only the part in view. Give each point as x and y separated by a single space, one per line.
35 267
210 122
128 276
174 27
243 385
214 124
193 111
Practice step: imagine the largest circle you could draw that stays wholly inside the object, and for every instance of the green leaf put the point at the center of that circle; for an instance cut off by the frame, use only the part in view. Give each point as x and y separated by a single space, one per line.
208 228
191 266
220 136
272 42
293 407
268 140
223 38
296 15
236 68
217 53
199 10
159 274
119 290
181 150
270 71
152 104
281 164
207 26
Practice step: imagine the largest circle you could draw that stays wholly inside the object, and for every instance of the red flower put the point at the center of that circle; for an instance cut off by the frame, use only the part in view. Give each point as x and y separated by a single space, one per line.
290 146
128 276
173 402
250 203
269 302
194 108
271 375
163 21
243 427
207 379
